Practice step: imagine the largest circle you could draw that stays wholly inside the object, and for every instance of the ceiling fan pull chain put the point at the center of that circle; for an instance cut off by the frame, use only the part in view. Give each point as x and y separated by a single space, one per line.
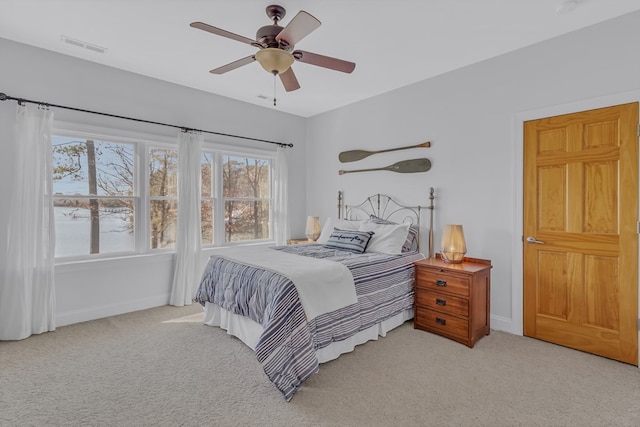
274 89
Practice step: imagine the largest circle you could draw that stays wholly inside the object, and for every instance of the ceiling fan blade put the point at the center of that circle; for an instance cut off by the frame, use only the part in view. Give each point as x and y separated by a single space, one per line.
289 80
233 65
324 61
298 28
223 33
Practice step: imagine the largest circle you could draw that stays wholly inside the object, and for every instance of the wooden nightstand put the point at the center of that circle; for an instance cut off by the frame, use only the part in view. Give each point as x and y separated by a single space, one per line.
452 300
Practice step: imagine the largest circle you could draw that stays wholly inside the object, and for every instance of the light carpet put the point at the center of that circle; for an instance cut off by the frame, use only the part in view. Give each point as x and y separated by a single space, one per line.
162 367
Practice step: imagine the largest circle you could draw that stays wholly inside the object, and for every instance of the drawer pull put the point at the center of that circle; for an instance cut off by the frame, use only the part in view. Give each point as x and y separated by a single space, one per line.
441 321
441 301
440 282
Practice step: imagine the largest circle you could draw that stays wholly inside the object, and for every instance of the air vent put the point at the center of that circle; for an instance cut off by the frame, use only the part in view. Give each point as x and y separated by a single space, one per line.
95 48
83 45
567 6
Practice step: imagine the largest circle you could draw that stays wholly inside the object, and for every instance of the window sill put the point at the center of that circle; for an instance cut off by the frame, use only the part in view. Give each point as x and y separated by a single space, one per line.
116 261
161 256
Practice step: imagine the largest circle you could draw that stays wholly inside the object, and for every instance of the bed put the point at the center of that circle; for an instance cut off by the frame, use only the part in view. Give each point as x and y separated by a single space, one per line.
301 305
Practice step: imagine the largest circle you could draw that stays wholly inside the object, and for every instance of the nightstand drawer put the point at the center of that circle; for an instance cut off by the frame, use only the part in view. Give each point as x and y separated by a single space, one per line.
442 302
429 279
441 323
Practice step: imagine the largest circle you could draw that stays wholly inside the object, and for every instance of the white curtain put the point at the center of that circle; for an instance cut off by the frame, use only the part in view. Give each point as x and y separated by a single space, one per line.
27 293
281 197
187 266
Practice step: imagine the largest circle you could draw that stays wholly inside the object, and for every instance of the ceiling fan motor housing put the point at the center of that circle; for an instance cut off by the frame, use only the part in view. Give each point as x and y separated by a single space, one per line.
266 36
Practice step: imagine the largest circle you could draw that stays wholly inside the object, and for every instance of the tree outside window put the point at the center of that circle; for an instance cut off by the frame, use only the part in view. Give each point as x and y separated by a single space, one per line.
207 198
163 196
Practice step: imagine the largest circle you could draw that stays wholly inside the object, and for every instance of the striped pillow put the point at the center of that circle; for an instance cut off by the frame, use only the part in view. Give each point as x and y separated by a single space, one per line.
411 244
349 240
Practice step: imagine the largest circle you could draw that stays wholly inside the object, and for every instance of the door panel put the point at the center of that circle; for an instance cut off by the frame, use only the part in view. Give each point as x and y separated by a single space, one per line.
553 294
601 302
552 184
581 202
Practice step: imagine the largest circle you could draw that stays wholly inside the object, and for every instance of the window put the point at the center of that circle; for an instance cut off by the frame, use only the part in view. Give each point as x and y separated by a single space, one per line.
117 195
208 200
246 186
94 201
163 196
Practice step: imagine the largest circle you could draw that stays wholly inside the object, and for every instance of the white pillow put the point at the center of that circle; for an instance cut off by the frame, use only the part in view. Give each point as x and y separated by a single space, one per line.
331 223
388 238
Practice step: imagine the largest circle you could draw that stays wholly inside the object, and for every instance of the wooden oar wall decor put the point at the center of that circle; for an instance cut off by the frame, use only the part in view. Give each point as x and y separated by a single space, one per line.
354 155
404 166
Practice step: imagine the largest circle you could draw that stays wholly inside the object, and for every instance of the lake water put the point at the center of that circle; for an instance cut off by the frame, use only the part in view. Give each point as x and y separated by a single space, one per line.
73 231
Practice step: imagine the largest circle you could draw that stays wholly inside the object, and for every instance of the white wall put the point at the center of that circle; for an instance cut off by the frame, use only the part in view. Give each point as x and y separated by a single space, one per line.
95 289
472 117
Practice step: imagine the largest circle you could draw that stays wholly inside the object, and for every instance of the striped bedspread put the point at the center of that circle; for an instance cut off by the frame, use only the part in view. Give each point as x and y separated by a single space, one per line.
286 349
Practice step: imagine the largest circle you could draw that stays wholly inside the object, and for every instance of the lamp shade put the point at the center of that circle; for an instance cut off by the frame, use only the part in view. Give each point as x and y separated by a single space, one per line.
453 247
274 60
313 228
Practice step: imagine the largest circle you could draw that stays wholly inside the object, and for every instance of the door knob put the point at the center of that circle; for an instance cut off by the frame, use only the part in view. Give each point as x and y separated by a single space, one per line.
532 239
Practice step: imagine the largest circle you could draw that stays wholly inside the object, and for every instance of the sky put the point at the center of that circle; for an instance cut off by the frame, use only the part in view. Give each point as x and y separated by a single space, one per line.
70 185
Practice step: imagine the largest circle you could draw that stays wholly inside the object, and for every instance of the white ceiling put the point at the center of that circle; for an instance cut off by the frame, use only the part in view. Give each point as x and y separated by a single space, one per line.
394 43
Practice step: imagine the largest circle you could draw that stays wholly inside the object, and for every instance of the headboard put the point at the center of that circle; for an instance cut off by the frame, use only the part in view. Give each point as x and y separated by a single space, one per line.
386 207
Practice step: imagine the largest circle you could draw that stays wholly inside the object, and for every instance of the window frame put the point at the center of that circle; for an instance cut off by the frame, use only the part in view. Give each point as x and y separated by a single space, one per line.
148 198
220 151
69 130
214 197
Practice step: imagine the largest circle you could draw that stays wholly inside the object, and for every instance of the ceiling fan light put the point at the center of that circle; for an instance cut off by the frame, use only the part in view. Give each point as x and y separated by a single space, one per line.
274 60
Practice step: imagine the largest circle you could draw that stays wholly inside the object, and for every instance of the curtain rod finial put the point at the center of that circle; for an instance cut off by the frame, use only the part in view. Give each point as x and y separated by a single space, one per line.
3 96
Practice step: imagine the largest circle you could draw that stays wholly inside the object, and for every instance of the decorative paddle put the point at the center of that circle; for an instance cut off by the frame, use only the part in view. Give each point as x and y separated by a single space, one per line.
404 166
353 155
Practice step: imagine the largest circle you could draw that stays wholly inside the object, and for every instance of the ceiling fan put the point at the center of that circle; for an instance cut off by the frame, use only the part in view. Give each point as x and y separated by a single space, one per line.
276 44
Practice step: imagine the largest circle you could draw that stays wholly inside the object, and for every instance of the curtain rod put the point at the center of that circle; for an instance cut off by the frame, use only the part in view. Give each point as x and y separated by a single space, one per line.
5 97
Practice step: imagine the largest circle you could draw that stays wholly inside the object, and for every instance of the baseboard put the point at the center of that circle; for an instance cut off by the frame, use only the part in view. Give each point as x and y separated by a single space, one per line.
498 323
98 312
505 324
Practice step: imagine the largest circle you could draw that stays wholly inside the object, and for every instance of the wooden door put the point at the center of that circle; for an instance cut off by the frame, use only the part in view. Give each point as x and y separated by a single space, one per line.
581 215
